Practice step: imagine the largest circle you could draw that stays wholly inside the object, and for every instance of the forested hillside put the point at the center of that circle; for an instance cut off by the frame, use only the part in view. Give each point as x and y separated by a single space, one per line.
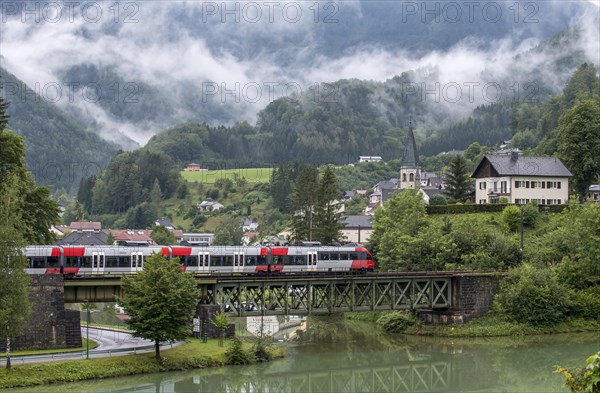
59 149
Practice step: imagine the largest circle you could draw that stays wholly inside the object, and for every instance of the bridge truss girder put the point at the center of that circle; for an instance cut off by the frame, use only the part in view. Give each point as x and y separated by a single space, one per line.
327 296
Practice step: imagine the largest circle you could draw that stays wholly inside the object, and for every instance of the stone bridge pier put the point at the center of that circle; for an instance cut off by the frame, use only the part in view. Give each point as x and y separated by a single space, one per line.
472 296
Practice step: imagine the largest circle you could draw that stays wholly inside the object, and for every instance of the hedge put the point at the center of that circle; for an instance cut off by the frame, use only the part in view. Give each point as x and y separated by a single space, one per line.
484 208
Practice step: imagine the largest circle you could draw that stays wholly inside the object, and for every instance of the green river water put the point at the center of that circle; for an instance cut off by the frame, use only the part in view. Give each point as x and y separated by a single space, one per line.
358 359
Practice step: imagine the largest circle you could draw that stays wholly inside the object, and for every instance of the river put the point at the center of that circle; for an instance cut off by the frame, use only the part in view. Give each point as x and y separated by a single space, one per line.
337 358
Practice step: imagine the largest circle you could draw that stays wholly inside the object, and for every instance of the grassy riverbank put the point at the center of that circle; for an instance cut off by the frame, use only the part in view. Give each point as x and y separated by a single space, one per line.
496 327
193 354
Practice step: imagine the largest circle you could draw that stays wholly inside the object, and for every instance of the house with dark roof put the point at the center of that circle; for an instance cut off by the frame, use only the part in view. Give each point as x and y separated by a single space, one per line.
357 229
520 179
83 238
594 193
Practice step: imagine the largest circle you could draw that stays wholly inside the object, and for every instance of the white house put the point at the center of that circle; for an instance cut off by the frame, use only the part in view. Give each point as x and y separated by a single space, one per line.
357 229
369 158
544 180
210 206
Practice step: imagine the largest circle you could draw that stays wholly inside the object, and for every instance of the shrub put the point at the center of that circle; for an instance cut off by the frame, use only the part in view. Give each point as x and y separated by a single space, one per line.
532 296
236 354
585 303
530 215
586 380
438 200
511 217
396 322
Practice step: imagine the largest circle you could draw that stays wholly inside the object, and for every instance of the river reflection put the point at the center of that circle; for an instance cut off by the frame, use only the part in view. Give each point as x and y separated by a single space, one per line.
399 364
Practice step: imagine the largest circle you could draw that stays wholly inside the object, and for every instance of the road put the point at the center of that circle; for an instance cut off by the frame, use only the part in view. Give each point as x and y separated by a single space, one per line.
110 343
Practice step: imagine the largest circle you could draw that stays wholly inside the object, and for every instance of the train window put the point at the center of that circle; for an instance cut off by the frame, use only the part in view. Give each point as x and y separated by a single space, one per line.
227 260
37 262
85 262
262 260
53 262
250 260
344 256
215 260
323 256
71 262
111 261
300 260
353 256
364 255
192 261
334 256
125 262
102 260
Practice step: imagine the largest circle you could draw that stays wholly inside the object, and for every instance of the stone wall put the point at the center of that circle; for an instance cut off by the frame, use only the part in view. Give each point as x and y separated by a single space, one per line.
206 313
49 326
472 296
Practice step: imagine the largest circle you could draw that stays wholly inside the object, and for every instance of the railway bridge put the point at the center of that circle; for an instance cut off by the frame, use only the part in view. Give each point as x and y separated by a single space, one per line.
440 297
445 296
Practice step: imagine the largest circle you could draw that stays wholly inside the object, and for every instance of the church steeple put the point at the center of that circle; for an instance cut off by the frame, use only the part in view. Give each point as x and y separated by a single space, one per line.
410 170
410 158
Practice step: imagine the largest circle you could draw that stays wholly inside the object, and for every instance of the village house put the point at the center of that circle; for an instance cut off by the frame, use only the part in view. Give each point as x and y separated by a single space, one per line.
594 193
521 180
357 229
196 239
194 168
369 158
208 206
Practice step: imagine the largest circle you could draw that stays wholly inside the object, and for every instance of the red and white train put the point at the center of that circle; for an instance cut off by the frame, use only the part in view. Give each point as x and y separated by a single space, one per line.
222 260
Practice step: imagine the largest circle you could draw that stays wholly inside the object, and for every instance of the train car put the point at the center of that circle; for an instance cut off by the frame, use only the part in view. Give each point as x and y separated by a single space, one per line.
43 259
217 260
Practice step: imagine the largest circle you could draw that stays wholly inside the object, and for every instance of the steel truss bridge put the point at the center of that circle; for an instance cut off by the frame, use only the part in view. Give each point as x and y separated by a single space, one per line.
297 295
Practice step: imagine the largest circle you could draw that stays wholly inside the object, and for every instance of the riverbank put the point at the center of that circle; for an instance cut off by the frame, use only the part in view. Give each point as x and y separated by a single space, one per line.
194 354
496 327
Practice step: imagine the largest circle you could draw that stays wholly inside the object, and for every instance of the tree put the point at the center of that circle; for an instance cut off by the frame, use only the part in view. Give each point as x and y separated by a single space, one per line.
304 200
458 179
221 323
395 226
156 193
14 282
579 143
160 300
327 226
162 236
35 211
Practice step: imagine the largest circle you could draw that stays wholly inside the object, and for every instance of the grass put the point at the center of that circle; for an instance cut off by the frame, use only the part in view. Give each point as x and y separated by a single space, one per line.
193 354
252 175
495 327
92 343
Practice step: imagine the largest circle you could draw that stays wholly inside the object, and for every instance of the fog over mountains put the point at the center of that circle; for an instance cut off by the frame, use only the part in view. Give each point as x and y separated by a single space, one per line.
128 69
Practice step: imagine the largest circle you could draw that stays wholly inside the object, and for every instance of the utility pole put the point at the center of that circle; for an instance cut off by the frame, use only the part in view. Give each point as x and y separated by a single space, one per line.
87 332
521 228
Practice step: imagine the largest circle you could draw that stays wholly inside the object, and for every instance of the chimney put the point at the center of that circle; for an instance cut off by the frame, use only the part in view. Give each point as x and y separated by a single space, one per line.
514 155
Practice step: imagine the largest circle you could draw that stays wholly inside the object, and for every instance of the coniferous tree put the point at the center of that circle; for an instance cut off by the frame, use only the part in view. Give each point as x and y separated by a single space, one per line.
327 226
305 199
458 179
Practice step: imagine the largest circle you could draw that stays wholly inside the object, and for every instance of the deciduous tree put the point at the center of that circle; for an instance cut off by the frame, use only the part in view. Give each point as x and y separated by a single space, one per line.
160 300
579 143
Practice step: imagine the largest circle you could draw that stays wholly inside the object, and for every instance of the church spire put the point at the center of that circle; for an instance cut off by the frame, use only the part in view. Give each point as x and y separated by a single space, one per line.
410 158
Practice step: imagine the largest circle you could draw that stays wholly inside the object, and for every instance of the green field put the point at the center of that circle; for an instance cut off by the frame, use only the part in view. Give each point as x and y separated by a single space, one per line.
252 175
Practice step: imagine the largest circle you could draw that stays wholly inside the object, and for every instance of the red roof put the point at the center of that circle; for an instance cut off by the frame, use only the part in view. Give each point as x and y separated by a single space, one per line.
85 226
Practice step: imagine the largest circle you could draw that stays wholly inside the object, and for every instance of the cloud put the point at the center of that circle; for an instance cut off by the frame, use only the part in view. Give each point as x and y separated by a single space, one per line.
254 51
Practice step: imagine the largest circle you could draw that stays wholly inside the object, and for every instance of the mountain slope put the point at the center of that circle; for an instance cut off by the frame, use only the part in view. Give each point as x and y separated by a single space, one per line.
60 150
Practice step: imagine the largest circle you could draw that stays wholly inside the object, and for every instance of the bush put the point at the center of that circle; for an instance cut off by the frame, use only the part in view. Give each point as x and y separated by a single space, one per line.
396 322
236 354
585 303
586 380
438 200
530 215
532 296
511 217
